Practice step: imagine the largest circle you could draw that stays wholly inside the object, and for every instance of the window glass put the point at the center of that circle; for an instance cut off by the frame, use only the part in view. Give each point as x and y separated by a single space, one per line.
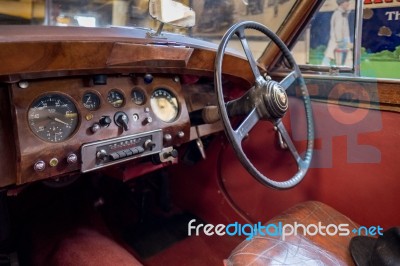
22 12
213 17
380 46
328 41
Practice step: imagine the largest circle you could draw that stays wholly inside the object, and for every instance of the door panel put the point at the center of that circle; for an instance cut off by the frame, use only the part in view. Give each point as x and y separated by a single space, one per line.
355 167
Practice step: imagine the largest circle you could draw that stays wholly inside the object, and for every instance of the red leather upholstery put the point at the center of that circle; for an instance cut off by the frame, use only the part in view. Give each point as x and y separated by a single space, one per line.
298 249
83 247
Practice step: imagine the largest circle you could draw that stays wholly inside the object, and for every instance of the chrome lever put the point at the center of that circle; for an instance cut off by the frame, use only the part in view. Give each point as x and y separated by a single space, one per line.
282 143
200 146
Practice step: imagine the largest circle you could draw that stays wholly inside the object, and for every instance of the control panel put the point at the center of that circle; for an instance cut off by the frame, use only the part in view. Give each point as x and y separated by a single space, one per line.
107 113
103 153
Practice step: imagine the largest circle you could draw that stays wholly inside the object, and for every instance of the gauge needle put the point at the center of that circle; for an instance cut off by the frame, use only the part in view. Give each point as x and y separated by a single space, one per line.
59 120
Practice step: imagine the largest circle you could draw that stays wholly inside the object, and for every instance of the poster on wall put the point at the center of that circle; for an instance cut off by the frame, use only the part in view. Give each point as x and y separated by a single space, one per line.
331 37
380 54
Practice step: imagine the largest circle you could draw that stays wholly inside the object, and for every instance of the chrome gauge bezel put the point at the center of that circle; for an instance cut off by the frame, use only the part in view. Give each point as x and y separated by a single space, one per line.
138 96
168 109
56 122
111 94
96 101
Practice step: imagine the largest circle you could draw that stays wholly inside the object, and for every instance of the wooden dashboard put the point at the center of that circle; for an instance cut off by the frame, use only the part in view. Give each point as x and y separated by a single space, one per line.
51 126
45 137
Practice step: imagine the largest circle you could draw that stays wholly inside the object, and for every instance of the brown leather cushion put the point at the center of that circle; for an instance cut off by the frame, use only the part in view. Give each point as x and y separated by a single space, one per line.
298 249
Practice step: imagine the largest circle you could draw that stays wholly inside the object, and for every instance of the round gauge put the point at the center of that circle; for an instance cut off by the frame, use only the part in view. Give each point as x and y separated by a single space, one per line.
115 98
91 101
164 105
53 117
138 96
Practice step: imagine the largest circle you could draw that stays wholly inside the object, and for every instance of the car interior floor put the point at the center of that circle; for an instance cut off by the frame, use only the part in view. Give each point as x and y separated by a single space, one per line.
139 215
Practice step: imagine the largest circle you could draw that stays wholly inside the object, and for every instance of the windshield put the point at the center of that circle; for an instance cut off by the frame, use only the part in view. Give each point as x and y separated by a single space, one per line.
213 17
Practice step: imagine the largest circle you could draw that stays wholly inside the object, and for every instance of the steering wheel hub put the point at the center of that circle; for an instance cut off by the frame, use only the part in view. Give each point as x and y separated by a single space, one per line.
276 100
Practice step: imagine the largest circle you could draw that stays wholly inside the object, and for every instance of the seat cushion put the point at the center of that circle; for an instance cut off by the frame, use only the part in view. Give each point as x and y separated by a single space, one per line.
300 249
82 247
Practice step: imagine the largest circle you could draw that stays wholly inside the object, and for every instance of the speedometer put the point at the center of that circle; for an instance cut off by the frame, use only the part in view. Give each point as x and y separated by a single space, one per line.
53 117
164 105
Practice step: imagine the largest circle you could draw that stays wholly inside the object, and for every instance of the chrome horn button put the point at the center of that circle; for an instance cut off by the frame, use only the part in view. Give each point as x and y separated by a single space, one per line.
280 97
276 100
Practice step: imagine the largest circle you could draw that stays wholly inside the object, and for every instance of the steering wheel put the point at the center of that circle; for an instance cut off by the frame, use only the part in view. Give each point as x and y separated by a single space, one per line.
265 100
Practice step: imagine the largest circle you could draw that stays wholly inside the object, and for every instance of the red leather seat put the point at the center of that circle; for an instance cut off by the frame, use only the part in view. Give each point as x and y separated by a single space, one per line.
82 247
298 249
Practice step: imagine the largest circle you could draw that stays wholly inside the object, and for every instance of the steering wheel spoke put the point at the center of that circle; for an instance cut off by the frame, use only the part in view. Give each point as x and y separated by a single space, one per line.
253 64
248 123
288 140
288 80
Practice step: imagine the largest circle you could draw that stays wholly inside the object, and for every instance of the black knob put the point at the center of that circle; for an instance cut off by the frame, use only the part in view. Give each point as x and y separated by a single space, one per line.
173 154
121 119
148 78
105 121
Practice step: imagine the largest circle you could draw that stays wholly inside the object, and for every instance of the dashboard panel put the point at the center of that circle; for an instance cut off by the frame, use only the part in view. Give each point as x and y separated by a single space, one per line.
72 124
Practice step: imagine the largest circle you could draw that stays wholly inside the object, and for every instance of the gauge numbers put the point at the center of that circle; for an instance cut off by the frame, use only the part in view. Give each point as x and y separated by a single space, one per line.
164 105
53 117
91 101
116 98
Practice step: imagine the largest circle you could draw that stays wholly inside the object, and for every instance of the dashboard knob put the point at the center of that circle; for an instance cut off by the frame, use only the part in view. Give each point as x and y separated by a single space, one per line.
105 121
101 154
147 120
121 120
95 127
39 166
148 78
173 154
72 158
167 137
149 144
181 134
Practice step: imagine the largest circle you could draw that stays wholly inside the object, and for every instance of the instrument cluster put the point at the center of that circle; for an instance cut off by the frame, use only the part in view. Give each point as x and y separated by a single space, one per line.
54 117
57 117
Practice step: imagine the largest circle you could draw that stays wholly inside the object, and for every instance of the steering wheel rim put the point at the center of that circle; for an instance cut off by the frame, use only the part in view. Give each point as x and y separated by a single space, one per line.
273 99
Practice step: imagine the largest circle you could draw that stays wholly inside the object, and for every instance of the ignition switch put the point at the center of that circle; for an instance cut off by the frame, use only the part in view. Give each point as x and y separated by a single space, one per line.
121 119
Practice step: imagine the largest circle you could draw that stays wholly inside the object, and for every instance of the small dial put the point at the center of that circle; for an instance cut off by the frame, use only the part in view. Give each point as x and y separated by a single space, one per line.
138 96
164 105
91 101
53 117
115 98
